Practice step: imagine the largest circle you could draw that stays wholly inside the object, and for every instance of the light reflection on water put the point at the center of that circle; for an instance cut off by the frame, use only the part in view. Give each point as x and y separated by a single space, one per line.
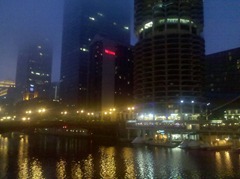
128 155
3 156
107 162
39 157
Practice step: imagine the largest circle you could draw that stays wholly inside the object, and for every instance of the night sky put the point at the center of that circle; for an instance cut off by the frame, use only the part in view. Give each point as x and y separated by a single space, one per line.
20 20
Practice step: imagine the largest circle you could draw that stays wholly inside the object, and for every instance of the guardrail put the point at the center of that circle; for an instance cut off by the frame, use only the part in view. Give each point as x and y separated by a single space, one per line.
186 126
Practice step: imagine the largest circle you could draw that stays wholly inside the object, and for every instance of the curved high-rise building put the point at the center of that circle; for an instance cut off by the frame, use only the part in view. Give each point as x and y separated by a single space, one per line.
169 55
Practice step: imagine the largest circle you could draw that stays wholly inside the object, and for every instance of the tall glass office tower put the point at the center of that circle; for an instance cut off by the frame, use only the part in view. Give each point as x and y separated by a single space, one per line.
169 55
34 68
83 19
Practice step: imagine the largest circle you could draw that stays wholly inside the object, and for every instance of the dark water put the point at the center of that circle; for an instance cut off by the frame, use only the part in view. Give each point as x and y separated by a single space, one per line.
38 156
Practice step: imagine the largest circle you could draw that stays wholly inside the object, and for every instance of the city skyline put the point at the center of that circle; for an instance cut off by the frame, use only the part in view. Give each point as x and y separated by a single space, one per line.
20 20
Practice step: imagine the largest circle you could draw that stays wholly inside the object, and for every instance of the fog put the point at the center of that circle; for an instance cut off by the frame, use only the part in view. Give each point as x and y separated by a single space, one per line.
26 19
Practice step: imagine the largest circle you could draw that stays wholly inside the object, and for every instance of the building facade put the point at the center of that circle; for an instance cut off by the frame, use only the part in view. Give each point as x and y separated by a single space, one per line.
222 75
110 75
168 70
4 87
34 67
82 21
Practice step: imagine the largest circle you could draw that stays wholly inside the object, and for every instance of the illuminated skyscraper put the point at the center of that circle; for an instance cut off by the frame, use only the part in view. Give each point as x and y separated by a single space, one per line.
83 19
34 67
169 55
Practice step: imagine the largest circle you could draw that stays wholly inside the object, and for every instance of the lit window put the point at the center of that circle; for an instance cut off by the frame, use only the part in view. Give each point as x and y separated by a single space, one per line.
39 46
125 27
84 49
100 14
92 18
40 54
148 25
176 20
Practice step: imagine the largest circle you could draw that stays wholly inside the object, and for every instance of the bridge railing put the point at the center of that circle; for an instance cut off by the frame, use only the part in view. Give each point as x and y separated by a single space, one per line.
185 125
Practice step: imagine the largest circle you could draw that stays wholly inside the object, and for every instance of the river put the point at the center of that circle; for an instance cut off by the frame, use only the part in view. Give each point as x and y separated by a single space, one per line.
40 156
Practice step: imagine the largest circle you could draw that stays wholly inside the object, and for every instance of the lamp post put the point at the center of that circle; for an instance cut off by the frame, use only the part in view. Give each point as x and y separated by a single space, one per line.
192 107
131 109
181 103
181 109
208 104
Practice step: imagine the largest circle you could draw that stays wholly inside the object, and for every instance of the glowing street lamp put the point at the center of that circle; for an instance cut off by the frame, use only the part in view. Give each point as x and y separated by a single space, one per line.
131 109
181 103
28 112
42 110
64 112
208 104
192 107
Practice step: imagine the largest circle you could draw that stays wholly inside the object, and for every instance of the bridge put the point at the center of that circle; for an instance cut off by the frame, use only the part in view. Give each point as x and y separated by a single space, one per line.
125 129
187 126
93 127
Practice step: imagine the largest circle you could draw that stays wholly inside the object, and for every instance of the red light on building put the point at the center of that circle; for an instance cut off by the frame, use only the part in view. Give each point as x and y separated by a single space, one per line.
109 52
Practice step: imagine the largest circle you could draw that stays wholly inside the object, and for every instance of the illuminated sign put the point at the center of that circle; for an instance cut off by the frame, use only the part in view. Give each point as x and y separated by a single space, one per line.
109 52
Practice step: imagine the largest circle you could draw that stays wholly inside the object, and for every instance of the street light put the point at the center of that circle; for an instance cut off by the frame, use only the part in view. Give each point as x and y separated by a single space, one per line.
131 109
181 110
192 107
208 104
64 112
42 110
28 112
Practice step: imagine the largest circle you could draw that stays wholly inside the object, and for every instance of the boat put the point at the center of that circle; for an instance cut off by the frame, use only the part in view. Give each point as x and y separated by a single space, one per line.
191 144
138 140
168 144
201 145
